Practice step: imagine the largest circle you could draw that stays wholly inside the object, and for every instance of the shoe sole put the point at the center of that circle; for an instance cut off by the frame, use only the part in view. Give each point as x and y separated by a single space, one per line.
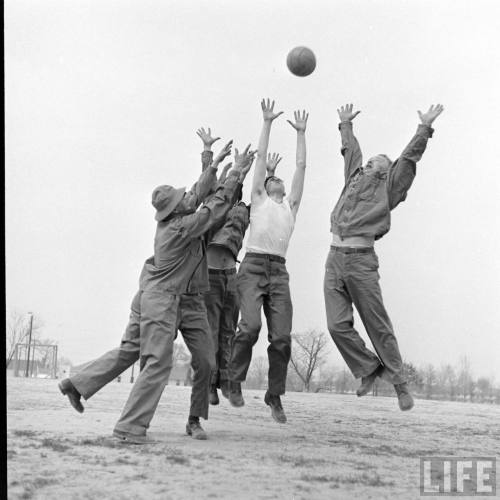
360 394
200 437
130 439
276 419
80 408
408 408
274 416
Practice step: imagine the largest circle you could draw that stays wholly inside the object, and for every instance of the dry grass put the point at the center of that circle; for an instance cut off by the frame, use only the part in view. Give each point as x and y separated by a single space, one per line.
333 447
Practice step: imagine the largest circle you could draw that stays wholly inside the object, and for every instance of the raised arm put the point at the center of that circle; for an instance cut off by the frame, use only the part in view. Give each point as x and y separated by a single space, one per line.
403 171
353 159
208 178
259 175
208 140
220 203
300 170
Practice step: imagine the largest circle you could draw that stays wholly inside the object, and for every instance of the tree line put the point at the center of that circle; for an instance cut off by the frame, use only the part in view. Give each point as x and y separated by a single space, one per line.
310 371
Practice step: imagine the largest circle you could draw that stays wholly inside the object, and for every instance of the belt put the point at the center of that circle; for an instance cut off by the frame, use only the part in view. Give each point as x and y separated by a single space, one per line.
231 270
353 249
267 256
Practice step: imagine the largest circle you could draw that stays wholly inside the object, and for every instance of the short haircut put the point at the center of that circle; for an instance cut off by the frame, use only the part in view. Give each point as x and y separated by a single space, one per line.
271 178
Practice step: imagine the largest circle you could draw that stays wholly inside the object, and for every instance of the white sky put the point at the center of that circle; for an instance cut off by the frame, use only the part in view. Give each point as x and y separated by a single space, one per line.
103 99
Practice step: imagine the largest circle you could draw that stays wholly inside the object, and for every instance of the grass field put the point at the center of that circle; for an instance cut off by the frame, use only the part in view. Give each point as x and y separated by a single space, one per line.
333 447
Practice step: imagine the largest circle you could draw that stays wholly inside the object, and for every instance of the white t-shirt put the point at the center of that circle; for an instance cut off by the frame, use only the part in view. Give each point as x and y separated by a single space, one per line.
271 227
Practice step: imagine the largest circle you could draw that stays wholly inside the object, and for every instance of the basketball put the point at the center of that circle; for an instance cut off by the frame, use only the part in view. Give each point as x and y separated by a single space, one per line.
301 61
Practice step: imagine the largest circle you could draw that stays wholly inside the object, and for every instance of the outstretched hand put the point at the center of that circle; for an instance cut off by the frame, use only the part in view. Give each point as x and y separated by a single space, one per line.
223 175
224 152
268 110
346 114
272 163
206 137
300 121
246 168
431 115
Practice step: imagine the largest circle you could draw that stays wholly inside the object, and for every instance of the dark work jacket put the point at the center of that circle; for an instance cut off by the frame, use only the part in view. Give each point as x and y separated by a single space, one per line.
179 265
231 234
364 208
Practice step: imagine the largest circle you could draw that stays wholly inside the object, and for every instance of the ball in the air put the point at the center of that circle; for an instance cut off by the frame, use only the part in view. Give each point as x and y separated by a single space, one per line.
301 61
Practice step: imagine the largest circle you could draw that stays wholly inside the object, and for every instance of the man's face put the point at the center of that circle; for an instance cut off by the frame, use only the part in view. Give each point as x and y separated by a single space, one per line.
377 163
275 186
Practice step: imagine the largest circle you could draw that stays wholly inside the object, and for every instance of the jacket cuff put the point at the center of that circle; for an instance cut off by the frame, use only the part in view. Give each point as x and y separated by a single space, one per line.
425 130
345 124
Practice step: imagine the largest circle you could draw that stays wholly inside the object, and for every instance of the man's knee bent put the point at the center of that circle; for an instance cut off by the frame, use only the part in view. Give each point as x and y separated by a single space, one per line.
249 330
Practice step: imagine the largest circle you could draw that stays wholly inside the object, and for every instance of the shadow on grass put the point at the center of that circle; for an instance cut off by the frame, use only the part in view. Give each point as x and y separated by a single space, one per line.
365 479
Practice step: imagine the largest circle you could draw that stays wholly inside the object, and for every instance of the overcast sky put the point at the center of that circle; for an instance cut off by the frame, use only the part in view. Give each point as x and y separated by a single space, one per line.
103 99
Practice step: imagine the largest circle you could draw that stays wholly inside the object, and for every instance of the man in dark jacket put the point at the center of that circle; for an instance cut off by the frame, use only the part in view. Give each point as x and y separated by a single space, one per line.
170 296
224 242
361 216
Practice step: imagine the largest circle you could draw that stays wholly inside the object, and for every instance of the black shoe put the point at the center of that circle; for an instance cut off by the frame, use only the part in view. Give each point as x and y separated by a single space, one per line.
213 397
367 383
195 430
235 396
224 388
68 389
128 438
276 409
405 399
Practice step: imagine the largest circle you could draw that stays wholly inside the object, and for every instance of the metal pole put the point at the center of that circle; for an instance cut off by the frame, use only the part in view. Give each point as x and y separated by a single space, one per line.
29 346
32 364
55 362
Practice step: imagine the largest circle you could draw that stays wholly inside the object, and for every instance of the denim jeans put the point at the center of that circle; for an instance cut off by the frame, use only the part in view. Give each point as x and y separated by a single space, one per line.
263 282
352 278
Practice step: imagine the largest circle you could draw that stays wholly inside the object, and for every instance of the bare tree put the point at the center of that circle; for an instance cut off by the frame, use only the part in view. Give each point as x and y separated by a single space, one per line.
309 351
447 382
429 377
17 331
181 354
465 381
257 374
485 387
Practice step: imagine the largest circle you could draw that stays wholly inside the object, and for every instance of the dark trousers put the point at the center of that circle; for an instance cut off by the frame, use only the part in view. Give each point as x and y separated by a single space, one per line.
222 312
149 337
352 278
263 282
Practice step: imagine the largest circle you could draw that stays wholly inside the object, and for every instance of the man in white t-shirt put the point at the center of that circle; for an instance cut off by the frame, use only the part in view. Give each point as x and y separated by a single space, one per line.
262 277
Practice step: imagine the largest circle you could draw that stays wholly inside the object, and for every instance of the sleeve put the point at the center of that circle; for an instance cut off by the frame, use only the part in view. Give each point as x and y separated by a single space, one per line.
353 158
403 170
206 159
204 185
213 211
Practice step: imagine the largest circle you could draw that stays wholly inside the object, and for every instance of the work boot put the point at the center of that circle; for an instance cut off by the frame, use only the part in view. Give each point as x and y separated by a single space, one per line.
213 397
276 409
405 399
367 383
129 438
235 396
68 389
194 429
224 388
